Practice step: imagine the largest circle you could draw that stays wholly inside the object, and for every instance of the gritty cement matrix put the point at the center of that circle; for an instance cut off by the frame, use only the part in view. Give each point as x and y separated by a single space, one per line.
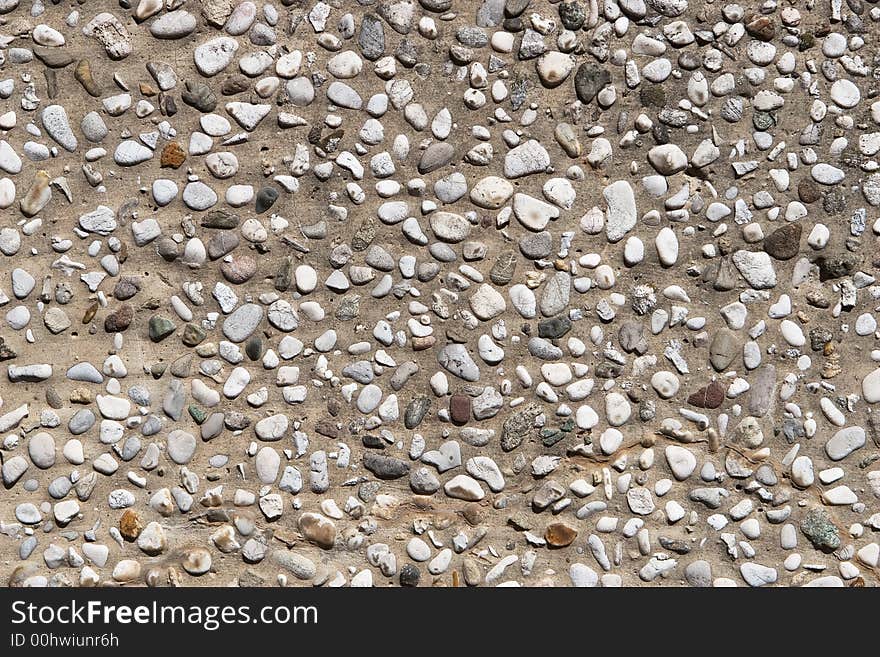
439 293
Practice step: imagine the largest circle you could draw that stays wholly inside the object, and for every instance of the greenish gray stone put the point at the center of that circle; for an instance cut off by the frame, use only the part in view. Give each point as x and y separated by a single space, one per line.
572 15
415 412
553 328
197 414
818 527
518 426
160 328
220 219
193 335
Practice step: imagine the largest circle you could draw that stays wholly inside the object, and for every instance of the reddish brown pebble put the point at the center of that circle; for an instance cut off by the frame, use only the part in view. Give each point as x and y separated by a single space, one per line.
120 319
710 396
460 408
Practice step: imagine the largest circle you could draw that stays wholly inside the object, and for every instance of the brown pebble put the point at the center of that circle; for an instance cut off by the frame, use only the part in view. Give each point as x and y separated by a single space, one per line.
90 313
460 408
130 525
173 155
83 75
473 513
239 269
784 242
808 191
710 396
761 27
120 319
53 398
167 248
318 530
559 534
327 428
51 82
421 343
333 406
471 571
234 85
126 287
